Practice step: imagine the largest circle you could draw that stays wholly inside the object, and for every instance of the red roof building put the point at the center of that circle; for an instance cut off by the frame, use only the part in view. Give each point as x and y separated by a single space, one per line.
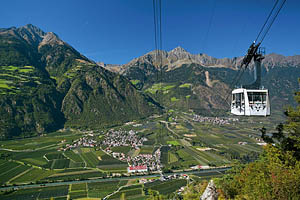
139 168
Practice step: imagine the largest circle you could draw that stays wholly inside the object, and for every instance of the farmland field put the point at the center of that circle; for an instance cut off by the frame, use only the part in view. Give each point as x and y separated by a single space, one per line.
76 164
132 187
6 165
78 187
121 149
164 154
80 175
54 155
41 193
90 158
73 156
55 191
100 153
78 195
109 162
128 193
172 157
12 172
166 187
36 143
33 175
33 158
146 150
60 163
100 190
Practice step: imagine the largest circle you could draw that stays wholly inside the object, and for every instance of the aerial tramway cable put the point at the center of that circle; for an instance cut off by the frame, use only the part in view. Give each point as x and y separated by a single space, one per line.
158 33
273 20
157 13
204 43
155 27
258 40
262 28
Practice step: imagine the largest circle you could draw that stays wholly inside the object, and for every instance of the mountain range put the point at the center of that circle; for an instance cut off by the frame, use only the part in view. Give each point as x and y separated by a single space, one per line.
201 83
45 84
178 56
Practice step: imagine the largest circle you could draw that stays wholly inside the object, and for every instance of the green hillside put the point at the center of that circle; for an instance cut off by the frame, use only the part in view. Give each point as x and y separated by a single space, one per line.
45 84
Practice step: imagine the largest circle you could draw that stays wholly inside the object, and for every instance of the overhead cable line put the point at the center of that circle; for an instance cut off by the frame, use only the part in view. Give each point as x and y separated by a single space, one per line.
155 27
158 62
157 12
254 47
262 28
209 26
157 36
273 20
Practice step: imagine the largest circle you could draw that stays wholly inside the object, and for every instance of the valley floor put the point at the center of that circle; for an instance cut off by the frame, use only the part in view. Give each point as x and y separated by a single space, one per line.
170 143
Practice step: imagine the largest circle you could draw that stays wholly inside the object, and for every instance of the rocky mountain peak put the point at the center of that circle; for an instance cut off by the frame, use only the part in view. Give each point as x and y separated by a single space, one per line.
178 49
33 29
51 39
32 34
275 60
178 53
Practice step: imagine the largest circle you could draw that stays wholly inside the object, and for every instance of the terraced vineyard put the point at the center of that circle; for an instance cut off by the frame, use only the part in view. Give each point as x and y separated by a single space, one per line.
13 78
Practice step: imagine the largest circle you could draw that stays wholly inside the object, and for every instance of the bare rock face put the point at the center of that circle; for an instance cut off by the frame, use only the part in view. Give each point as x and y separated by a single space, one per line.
210 192
51 39
177 57
276 60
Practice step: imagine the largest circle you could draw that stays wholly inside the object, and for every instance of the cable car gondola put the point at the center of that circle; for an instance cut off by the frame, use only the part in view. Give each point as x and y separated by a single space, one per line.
252 100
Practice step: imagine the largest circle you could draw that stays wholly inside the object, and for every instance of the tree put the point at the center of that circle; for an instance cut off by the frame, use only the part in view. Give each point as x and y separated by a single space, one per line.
287 137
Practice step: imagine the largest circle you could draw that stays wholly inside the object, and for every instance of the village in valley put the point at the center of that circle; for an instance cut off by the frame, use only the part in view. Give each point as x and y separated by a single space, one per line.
127 145
215 120
147 162
138 163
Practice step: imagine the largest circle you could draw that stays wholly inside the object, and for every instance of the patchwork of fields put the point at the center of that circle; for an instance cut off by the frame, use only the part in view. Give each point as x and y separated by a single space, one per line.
113 190
51 165
36 160
183 144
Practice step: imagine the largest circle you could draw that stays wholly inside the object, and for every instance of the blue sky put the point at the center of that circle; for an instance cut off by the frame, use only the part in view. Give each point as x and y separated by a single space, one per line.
116 31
